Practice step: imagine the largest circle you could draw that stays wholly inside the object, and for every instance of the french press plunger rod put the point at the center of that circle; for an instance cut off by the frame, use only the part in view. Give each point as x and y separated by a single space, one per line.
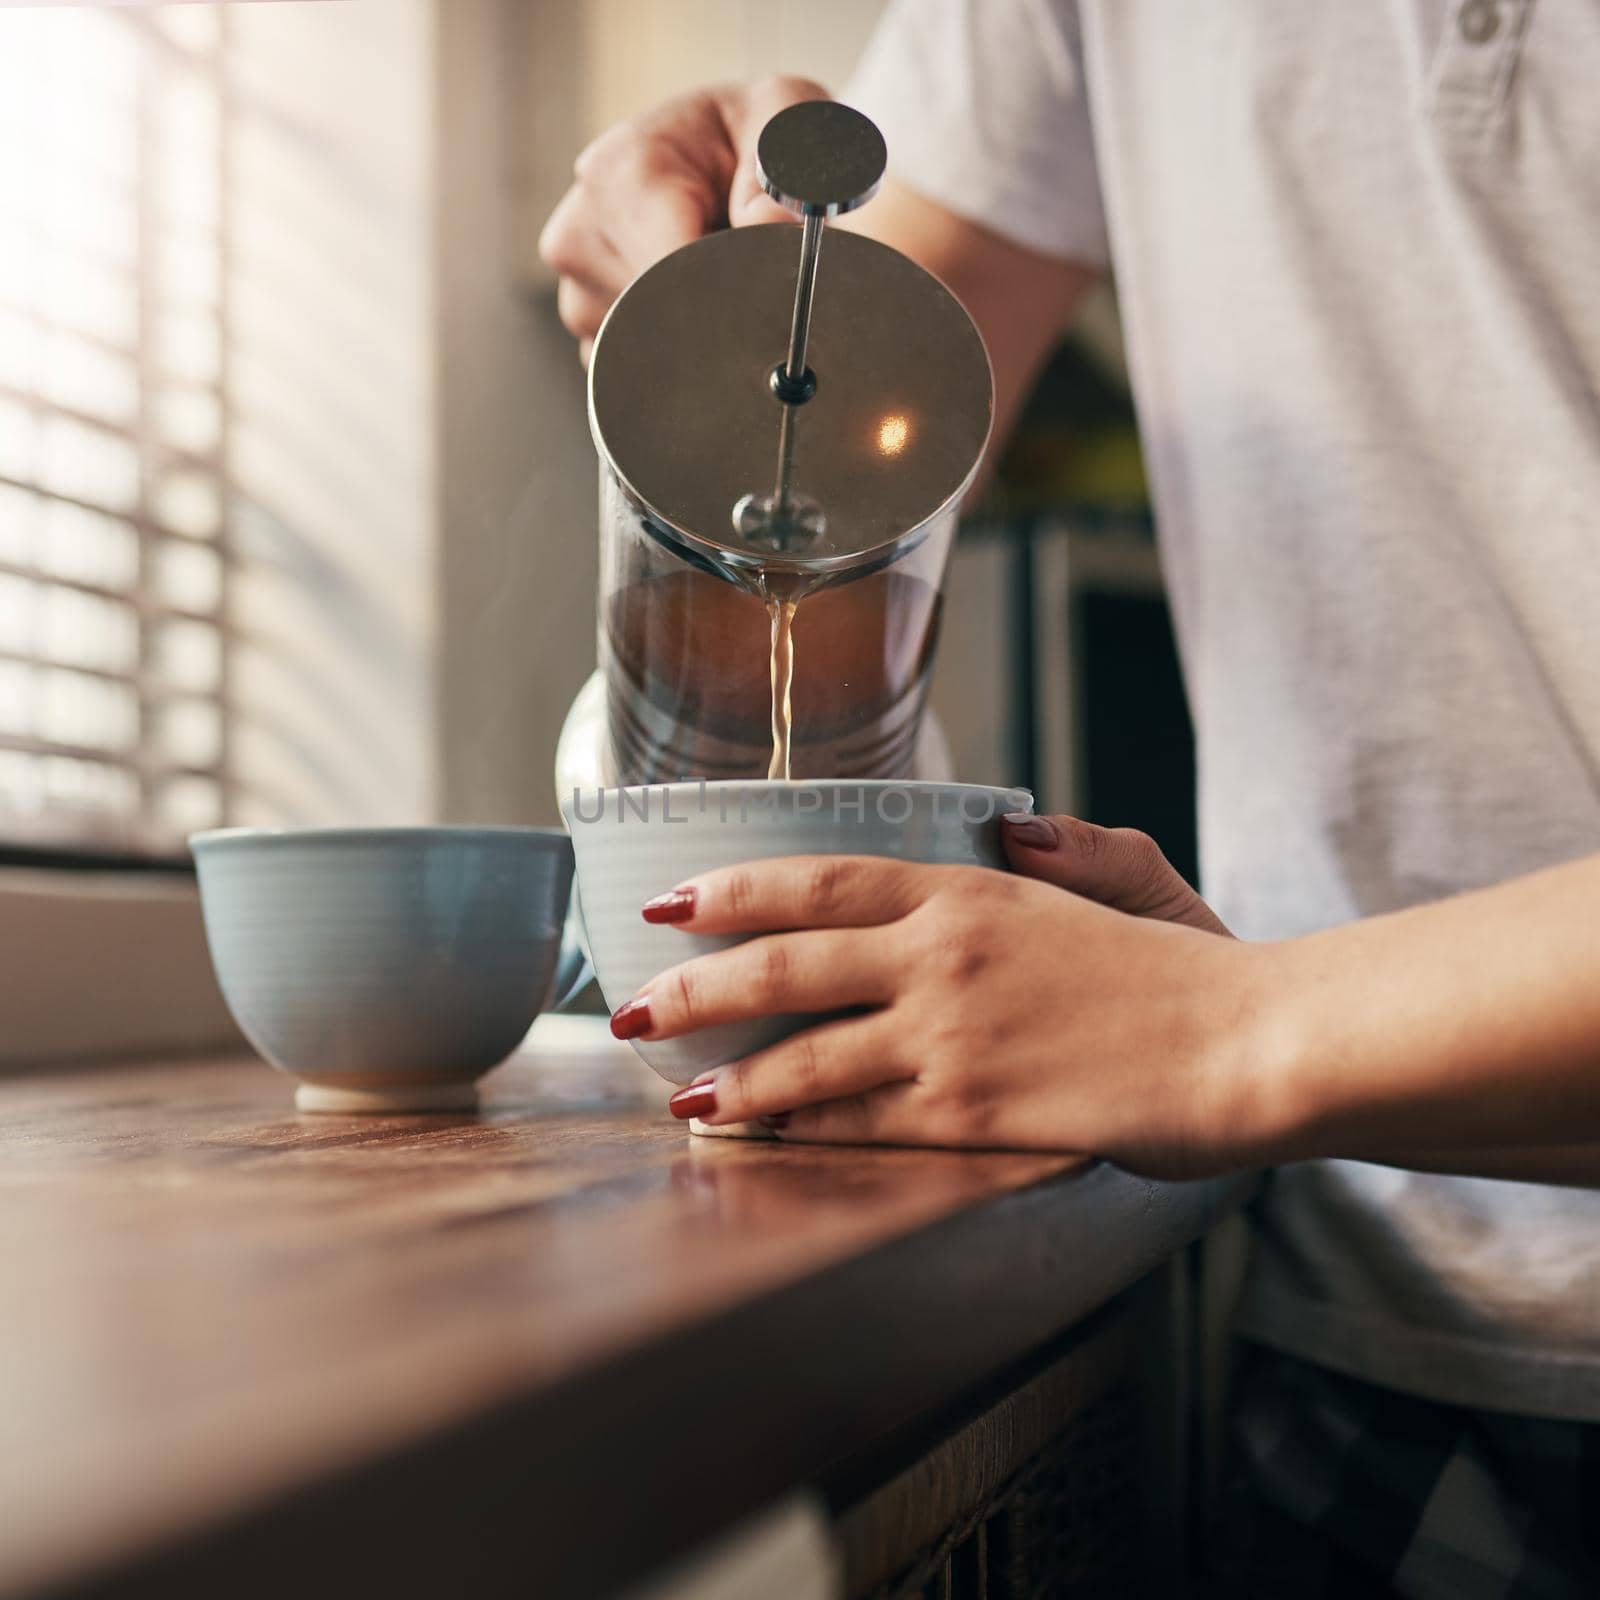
818 159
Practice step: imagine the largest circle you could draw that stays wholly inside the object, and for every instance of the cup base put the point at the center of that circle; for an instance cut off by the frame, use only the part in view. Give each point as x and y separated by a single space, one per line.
386 1098
731 1130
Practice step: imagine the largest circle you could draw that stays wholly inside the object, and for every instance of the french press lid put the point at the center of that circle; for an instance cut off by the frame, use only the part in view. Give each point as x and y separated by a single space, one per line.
771 404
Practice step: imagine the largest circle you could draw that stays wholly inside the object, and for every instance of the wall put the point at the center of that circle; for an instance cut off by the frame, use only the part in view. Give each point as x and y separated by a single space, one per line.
414 532
516 494
640 51
332 409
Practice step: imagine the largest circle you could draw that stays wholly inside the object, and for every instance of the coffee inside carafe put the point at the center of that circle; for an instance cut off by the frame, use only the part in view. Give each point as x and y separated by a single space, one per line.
694 676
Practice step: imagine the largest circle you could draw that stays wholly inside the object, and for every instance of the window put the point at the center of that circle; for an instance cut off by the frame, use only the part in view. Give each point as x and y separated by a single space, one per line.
218 475
114 503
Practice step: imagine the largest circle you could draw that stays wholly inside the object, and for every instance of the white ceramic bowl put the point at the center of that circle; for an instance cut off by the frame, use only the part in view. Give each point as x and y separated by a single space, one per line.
385 968
637 842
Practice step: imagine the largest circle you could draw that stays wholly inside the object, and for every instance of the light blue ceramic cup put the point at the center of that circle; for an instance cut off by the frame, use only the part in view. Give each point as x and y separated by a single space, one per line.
387 969
634 843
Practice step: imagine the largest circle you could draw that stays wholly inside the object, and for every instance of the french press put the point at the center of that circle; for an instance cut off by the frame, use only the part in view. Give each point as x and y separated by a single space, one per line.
780 425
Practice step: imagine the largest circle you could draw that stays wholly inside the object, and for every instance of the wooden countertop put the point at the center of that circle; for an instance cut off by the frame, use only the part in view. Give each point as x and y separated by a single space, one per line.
440 1350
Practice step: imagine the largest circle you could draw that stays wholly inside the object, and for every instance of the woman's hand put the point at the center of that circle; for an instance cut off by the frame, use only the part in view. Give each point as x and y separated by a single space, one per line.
983 1009
656 182
1119 867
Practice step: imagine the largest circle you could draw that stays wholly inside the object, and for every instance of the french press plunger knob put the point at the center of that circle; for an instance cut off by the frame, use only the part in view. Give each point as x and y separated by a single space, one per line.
818 159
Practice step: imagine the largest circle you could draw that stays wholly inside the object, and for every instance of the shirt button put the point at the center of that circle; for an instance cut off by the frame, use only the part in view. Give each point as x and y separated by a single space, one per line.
1479 21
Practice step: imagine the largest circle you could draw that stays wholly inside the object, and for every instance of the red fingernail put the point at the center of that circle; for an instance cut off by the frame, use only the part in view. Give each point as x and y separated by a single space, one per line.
630 1020
676 905
698 1100
1037 833
778 1121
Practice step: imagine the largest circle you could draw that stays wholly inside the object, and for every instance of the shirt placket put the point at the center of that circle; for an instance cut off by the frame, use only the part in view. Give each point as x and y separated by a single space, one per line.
1476 63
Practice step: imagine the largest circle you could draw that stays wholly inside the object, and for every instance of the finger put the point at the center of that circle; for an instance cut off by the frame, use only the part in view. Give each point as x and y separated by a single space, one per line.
887 1114
581 307
662 212
1118 867
903 1112
828 1062
751 205
637 199
574 244
796 892
824 970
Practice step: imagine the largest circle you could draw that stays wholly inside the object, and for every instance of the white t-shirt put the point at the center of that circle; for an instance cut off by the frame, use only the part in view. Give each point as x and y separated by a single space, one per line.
1357 248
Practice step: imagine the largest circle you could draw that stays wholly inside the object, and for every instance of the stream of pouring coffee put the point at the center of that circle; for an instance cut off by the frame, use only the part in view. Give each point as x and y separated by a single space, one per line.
782 613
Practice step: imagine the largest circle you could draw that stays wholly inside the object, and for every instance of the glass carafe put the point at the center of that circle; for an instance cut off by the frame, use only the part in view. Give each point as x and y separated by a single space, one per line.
769 435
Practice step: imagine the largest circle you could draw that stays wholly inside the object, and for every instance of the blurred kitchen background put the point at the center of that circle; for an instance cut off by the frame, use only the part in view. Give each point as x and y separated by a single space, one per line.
297 498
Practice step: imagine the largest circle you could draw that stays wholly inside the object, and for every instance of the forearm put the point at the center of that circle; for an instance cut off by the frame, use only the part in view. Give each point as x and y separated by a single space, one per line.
1468 1026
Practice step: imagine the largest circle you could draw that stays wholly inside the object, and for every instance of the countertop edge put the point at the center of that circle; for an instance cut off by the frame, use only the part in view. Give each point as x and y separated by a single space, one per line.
587 1485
